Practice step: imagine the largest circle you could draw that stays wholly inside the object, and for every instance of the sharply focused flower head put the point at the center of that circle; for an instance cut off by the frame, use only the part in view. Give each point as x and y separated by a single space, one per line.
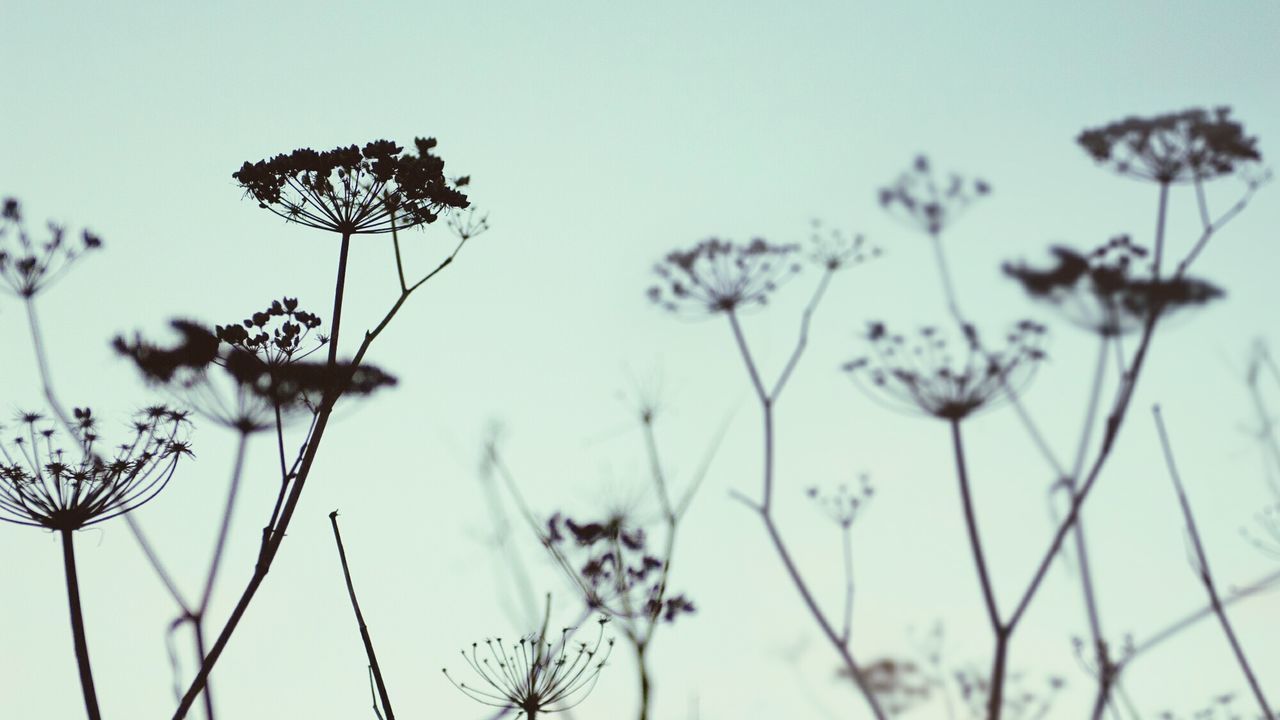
928 202
925 374
352 190
244 385
1109 291
717 276
277 335
28 265
532 675
1195 144
45 485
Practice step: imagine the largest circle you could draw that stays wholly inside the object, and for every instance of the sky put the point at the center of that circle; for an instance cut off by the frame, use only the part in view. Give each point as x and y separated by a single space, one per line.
599 138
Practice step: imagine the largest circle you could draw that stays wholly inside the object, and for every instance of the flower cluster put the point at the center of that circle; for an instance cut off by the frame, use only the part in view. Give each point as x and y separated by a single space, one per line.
833 249
274 335
618 575
719 276
899 685
843 505
927 202
1101 292
532 676
351 190
254 384
28 265
922 374
47 486
1192 145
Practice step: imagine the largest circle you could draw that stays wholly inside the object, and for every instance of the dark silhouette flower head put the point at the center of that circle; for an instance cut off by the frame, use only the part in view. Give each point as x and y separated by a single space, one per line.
350 190
1191 145
277 335
44 485
1110 290
237 381
720 276
927 202
28 265
533 676
923 374
611 564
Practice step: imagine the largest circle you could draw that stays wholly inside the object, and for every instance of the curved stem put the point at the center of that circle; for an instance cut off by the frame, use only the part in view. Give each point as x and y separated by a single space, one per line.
971 525
77 627
374 669
225 527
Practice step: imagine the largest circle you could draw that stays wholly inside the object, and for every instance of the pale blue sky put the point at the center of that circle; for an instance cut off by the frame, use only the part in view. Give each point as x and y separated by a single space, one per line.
599 139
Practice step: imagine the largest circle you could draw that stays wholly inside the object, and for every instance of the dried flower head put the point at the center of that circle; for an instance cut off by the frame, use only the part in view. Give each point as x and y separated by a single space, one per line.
276 335
350 190
844 504
246 386
26 265
719 276
533 676
1195 144
1106 291
927 202
899 685
610 563
44 485
923 374
834 249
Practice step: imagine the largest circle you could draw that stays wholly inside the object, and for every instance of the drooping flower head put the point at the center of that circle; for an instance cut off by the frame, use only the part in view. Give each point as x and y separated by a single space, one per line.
1191 145
532 675
720 276
246 382
927 202
351 190
610 562
45 485
28 265
1110 290
923 374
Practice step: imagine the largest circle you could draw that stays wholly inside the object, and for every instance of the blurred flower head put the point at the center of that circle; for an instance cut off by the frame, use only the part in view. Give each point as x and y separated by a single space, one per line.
1108 291
720 276
845 503
927 202
1191 145
243 384
28 265
534 676
924 373
833 249
45 485
351 190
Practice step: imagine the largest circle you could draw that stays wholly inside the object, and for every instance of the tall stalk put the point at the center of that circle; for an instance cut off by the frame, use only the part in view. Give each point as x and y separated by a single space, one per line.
77 627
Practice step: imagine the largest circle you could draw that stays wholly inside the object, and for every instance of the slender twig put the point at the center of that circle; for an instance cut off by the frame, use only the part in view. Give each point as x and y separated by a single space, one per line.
374 669
224 528
1202 567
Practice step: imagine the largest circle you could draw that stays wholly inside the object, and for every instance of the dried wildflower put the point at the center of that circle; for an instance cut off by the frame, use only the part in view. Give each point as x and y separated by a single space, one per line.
275 335
899 685
245 385
47 486
26 265
612 565
922 373
350 190
1192 145
1102 292
845 504
718 276
833 249
532 676
927 202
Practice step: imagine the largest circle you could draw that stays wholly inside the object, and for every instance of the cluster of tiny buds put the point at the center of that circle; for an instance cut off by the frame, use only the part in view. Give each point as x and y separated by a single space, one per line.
26 265
833 249
927 202
720 276
846 502
281 344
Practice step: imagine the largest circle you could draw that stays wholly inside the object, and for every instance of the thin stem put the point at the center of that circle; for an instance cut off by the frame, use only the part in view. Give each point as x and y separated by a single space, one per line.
971 526
643 668
77 627
846 544
1202 563
1172 629
197 627
225 527
364 629
805 318
42 363
1161 211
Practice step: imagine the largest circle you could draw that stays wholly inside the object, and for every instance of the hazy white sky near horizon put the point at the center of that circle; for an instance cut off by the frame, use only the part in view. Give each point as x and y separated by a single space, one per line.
599 139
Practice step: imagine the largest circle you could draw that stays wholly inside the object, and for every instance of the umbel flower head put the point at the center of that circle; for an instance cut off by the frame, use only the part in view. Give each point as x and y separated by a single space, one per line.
923 374
720 276
1100 291
244 384
927 202
350 190
845 503
28 265
614 568
44 485
1196 144
532 676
